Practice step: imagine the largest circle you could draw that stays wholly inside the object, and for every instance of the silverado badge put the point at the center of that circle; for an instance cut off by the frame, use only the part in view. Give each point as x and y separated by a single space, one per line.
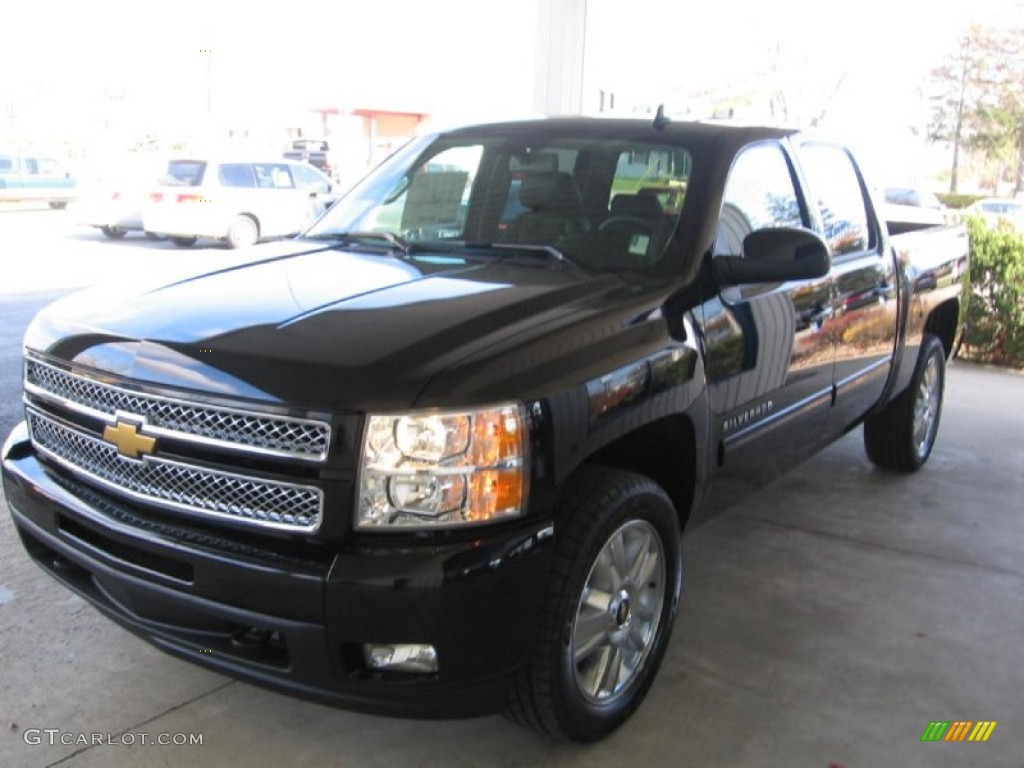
128 440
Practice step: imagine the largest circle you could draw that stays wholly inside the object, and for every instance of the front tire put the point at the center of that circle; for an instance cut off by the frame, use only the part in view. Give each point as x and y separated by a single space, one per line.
900 437
114 233
617 574
183 242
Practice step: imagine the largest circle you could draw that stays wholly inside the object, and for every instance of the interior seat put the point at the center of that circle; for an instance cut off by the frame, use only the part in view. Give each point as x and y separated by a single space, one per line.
554 210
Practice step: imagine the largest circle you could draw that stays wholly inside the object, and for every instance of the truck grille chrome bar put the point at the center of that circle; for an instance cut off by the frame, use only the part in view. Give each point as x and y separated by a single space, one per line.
231 428
197 490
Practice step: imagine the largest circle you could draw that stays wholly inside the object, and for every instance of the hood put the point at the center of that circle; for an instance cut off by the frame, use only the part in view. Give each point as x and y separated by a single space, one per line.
317 327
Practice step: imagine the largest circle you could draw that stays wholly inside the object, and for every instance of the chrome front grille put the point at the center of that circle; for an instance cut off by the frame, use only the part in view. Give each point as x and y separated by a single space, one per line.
198 490
235 429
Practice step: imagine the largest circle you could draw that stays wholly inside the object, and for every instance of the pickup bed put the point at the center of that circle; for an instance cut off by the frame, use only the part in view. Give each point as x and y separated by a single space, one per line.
434 457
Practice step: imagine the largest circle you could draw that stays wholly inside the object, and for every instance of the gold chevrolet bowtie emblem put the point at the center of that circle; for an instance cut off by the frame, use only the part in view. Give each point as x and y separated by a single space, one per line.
128 440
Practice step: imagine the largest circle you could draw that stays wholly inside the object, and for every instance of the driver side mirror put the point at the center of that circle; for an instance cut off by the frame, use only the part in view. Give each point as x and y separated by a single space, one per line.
775 256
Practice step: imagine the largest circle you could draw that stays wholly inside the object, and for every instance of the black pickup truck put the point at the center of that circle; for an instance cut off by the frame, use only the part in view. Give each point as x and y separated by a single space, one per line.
434 457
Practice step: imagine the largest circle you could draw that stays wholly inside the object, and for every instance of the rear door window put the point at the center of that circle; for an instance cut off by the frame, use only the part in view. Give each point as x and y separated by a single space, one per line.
835 184
273 176
237 175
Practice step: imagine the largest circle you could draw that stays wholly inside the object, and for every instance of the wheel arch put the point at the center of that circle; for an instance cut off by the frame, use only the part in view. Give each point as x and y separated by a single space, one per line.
249 215
942 322
665 451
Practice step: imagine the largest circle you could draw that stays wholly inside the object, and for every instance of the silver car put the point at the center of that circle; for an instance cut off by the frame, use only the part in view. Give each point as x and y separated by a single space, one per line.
239 202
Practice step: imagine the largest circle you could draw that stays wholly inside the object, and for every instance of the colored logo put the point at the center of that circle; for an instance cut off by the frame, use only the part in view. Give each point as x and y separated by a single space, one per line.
959 730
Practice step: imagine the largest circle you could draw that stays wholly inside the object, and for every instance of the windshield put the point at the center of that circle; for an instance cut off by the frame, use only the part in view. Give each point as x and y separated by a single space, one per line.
605 204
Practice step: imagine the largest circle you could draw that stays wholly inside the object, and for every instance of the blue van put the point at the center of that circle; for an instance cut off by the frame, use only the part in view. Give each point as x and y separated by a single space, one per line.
29 177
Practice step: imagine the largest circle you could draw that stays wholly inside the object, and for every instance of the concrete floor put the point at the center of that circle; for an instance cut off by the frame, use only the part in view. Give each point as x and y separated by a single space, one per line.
827 620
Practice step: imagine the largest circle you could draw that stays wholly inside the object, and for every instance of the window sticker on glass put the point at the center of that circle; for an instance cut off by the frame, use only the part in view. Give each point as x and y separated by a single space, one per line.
638 244
434 198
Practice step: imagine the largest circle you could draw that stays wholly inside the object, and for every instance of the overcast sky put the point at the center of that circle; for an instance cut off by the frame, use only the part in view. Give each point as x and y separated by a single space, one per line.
437 52
474 59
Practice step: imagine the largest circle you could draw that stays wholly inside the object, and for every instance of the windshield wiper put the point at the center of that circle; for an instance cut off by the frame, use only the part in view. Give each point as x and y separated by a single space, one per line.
550 250
394 241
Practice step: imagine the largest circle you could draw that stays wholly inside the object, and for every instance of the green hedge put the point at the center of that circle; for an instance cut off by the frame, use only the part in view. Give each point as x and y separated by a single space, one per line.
995 307
957 200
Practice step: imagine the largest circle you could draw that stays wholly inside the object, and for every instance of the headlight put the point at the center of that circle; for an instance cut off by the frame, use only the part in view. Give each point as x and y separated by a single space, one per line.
443 468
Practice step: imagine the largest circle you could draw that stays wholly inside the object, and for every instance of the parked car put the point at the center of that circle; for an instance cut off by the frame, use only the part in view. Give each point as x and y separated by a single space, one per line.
416 464
237 201
32 177
115 201
994 210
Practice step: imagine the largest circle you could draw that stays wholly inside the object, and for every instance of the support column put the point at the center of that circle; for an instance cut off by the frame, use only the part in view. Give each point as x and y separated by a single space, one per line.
561 32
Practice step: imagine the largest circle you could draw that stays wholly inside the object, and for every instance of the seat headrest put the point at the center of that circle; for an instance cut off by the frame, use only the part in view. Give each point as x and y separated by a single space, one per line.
642 206
549 192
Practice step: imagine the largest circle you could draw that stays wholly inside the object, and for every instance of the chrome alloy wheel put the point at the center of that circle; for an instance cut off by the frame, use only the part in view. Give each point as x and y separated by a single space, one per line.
927 401
618 612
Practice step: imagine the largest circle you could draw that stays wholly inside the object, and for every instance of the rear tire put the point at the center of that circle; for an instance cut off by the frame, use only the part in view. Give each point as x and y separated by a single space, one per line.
243 232
901 436
114 233
616 577
183 242
58 206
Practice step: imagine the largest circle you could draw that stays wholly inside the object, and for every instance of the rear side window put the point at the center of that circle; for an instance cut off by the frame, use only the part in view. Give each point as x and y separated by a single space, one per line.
656 176
184 173
237 175
273 176
6 164
835 185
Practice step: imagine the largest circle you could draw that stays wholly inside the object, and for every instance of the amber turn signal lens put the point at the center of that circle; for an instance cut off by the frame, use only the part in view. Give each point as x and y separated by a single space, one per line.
494 493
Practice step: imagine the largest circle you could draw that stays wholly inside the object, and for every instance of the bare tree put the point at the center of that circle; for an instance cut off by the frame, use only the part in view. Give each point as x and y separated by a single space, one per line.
978 103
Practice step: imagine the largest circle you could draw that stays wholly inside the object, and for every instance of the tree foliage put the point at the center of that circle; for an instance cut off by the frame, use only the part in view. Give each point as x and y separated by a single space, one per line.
978 102
995 305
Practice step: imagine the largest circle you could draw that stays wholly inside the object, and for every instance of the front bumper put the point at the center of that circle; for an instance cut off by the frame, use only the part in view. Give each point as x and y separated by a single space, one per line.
295 623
